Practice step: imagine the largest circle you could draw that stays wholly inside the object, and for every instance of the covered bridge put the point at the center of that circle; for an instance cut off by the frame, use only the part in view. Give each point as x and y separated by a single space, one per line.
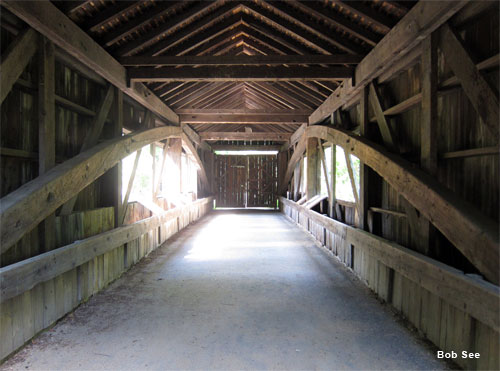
220 184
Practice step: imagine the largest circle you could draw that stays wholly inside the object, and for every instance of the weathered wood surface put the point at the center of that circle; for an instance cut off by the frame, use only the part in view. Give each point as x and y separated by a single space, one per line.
44 17
418 23
191 149
247 60
246 118
277 137
477 238
238 73
481 95
93 134
46 128
478 298
24 275
296 157
23 209
15 60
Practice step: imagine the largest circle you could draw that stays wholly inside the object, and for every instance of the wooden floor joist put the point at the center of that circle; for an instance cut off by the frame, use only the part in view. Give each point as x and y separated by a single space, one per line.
22 209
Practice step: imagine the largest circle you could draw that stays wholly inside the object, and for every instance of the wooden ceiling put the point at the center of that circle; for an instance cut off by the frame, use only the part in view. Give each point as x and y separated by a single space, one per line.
226 65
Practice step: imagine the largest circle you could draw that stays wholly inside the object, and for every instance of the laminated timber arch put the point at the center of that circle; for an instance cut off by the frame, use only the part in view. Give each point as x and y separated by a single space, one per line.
472 233
22 209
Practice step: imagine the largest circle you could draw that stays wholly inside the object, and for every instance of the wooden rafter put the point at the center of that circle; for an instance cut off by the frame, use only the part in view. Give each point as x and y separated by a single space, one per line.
329 17
380 20
160 9
206 28
395 45
172 24
305 32
52 23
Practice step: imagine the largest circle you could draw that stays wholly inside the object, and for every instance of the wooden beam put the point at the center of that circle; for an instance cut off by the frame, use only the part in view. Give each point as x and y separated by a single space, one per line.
486 151
417 24
477 297
364 173
271 136
296 26
388 135
23 276
325 171
438 204
333 18
230 147
480 94
44 194
46 131
117 119
130 185
15 59
299 150
91 138
44 17
445 85
399 214
173 23
132 25
164 158
352 181
247 60
238 73
192 150
244 111
195 138
248 118
362 11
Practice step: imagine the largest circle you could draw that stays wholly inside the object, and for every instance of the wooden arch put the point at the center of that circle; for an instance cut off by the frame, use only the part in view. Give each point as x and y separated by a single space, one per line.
475 235
22 209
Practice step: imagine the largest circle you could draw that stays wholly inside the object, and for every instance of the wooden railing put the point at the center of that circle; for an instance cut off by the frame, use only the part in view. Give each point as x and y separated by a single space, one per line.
36 292
439 300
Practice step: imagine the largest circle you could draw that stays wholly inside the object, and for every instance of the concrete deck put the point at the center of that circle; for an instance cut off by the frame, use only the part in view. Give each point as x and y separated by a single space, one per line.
237 290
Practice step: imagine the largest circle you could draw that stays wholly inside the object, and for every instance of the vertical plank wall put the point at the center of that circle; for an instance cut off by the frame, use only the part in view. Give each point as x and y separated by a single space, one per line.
445 325
78 97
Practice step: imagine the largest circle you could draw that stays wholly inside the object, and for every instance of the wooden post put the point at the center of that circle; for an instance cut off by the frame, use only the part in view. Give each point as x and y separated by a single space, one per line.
325 171
364 170
91 138
312 168
117 170
47 131
175 153
428 128
123 211
353 182
333 181
388 135
158 180
428 134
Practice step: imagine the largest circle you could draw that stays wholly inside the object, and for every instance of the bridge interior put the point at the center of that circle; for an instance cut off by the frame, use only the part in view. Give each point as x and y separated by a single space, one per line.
249 184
